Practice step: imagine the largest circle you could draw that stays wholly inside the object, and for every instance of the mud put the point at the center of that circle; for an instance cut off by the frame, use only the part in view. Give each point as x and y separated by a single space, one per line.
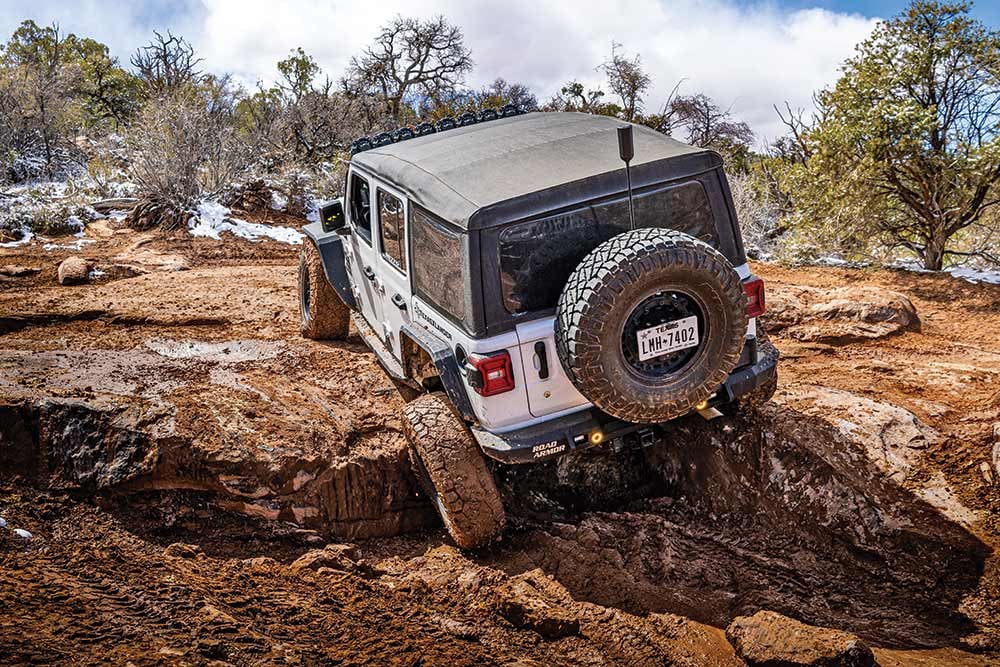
182 457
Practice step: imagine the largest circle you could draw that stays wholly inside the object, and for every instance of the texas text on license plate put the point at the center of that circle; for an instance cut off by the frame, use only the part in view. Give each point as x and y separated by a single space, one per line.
667 337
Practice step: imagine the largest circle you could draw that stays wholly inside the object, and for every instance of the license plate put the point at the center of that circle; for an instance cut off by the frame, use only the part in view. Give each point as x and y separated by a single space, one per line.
667 337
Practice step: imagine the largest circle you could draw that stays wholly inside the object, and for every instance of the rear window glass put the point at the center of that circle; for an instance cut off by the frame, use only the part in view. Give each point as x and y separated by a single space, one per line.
537 257
436 263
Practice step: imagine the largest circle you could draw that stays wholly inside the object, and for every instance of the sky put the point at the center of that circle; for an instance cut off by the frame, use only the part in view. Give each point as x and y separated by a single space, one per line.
748 55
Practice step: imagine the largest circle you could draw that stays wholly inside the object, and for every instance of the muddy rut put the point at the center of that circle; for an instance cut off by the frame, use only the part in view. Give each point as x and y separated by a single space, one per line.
181 458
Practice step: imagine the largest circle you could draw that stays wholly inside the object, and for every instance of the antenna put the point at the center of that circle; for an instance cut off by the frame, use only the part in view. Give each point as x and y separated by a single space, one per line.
626 150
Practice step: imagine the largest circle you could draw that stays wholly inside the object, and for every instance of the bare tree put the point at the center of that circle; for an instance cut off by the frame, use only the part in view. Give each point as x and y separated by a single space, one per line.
574 96
410 56
708 125
166 64
626 79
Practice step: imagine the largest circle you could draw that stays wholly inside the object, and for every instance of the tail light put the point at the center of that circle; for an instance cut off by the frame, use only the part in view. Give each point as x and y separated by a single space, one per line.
754 288
490 374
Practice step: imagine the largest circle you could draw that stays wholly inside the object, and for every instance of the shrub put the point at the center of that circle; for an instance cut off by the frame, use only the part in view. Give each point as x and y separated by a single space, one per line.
185 147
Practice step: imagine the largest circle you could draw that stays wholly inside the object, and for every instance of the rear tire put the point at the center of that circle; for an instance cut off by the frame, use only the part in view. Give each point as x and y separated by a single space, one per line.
322 314
452 470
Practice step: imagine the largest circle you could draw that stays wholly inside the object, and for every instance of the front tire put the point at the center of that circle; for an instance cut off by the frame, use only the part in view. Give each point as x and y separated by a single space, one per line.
322 314
452 471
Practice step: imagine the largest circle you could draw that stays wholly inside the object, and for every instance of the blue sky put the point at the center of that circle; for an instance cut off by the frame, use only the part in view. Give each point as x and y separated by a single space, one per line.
746 54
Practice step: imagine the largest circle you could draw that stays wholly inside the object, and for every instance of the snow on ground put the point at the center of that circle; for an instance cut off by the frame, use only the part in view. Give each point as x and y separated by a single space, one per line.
26 237
975 275
212 219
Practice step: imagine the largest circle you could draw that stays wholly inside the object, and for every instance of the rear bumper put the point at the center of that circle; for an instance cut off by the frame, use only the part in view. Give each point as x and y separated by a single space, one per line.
757 365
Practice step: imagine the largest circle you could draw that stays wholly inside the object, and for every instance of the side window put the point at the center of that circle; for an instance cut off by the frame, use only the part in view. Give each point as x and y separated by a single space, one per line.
438 268
390 222
361 207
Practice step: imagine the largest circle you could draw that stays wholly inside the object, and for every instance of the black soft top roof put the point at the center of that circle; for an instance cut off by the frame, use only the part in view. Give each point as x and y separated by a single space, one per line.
496 171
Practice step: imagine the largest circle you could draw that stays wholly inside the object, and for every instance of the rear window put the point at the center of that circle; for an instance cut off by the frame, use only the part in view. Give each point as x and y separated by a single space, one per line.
537 256
436 263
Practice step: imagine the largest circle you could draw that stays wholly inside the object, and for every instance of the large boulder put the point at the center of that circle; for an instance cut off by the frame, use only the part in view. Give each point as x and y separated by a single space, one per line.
840 315
768 639
74 271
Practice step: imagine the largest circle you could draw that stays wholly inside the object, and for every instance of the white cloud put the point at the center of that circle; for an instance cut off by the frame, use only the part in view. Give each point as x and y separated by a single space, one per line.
747 57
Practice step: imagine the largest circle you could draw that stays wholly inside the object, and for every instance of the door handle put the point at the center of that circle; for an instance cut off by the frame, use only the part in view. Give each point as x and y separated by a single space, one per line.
543 360
399 301
369 273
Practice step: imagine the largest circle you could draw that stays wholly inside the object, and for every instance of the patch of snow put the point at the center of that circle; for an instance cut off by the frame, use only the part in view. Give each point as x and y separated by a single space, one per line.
832 260
976 275
312 214
75 245
212 219
279 202
76 223
26 237
966 273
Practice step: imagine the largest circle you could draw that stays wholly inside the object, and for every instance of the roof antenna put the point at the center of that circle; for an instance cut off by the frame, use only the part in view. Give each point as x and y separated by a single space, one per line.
626 149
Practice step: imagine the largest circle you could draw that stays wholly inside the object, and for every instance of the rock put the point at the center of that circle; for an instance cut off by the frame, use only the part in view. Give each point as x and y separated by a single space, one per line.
996 458
181 550
768 639
987 472
456 628
12 271
334 556
893 437
841 315
3 523
526 601
74 271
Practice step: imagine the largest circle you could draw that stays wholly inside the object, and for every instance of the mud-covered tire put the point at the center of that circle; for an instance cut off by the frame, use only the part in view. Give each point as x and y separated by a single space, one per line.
322 313
452 470
600 299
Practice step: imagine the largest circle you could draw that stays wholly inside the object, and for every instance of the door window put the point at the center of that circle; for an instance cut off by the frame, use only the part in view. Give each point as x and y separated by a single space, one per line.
361 207
390 222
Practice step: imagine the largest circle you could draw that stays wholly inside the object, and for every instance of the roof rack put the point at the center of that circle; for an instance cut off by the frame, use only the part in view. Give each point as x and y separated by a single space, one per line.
423 129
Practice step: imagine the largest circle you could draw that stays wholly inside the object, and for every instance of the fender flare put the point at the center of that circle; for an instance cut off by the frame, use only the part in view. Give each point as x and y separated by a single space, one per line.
447 366
331 253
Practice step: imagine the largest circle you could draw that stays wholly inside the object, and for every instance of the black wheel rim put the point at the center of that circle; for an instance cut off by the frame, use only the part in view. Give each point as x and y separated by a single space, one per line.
660 308
304 290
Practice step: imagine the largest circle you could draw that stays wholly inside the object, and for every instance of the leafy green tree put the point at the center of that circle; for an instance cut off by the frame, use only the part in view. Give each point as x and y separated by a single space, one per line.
905 148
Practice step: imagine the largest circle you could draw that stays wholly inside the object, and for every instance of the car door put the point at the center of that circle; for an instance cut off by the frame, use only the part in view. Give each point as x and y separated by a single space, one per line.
362 255
391 215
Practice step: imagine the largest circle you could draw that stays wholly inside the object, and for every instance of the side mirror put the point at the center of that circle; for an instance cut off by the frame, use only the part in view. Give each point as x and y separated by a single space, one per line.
331 215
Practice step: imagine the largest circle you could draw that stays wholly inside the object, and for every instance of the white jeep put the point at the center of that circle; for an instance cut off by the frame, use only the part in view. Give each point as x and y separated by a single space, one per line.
542 296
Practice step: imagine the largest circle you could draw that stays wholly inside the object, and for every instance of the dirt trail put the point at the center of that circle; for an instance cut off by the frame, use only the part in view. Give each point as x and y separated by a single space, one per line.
157 408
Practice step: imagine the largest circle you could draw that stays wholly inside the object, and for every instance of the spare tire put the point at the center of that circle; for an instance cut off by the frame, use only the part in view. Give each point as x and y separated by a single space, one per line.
650 324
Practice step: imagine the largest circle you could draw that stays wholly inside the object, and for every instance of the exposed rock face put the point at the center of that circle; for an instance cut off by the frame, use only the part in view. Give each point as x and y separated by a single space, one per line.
841 315
767 639
73 271
783 508
15 271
